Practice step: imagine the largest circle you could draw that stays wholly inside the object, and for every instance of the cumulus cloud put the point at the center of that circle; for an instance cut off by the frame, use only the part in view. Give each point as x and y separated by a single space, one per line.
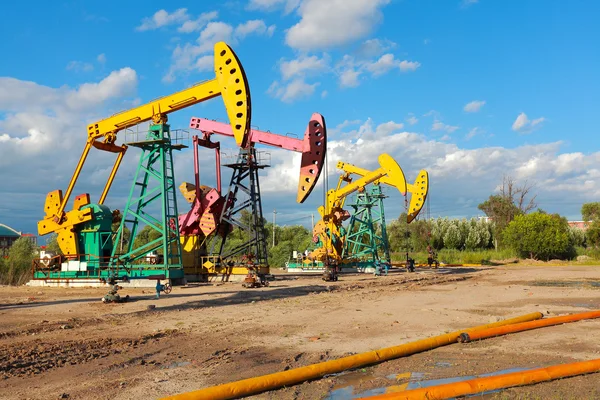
326 24
411 119
349 69
474 106
440 126
197 56
101 58
193 25
302 66
372 48
272 5
256 26
523 125
387 62
44 128
293 90
293 85
163 18
453 170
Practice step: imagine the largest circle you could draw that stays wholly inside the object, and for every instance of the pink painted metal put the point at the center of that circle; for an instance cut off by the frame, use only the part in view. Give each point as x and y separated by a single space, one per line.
313 147
208 203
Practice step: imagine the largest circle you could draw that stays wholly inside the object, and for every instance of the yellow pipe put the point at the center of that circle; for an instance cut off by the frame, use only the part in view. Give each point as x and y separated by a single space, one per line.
525 326
291 377
479 385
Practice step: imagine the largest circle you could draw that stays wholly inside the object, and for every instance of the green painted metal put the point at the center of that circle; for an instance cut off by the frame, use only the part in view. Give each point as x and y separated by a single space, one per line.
95 236
96 271
152 192
366 239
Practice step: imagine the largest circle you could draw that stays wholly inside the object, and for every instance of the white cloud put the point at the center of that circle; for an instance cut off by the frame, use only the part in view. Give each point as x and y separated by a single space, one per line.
349 78
454 170
294 73
440 126
474 106
412 120
195 56
374 47
303 66
293 90
324 94
272 5
197 24
256 26
101 58
44 128
426 41
163 18
406 66
523 125
387 62
350 69
326 24
79 66
473 132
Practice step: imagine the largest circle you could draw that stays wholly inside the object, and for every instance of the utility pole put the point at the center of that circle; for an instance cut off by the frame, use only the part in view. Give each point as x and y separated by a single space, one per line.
312 223
274 214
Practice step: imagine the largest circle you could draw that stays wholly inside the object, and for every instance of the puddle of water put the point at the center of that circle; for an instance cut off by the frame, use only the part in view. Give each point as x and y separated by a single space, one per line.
584 305
344 390
594 284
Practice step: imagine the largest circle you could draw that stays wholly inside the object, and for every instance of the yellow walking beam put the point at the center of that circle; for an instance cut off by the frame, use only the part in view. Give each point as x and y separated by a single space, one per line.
230 83
291 377
419 189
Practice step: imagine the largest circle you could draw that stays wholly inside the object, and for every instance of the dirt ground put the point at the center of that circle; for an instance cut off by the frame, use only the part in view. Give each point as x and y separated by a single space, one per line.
64 343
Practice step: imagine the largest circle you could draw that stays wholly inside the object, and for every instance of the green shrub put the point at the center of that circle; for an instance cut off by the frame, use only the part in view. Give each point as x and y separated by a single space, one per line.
540 236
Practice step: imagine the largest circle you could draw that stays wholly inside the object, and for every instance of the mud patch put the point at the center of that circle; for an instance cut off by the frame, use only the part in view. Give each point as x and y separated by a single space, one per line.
36 358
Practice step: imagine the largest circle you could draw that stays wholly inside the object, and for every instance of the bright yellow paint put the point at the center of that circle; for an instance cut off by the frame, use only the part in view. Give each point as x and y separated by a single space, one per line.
259 384
388 173
419 194
230 83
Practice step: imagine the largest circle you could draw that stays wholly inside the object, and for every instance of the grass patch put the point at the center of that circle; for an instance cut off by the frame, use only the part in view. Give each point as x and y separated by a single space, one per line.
451 256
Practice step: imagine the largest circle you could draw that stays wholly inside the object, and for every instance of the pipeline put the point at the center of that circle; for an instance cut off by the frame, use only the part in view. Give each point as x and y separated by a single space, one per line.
466 337
247 387
479 385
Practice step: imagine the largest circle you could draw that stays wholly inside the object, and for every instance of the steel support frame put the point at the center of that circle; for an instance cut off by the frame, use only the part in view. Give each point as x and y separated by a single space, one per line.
154 184
362 239
245 180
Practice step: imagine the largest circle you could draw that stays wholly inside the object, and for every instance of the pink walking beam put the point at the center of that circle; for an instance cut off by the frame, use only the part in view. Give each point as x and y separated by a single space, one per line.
313 147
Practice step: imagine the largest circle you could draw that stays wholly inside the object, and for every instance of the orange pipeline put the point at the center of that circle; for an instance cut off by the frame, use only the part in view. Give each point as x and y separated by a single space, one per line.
503 330
479 385
291 377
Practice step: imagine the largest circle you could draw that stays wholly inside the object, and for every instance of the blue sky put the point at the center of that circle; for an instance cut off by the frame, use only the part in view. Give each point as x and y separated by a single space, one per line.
469 90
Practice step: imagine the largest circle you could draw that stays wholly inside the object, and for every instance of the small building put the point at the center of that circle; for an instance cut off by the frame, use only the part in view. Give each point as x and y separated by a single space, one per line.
8 236
583 225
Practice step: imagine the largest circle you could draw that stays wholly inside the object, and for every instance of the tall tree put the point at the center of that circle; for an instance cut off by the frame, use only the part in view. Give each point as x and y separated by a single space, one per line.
512 200
590 211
